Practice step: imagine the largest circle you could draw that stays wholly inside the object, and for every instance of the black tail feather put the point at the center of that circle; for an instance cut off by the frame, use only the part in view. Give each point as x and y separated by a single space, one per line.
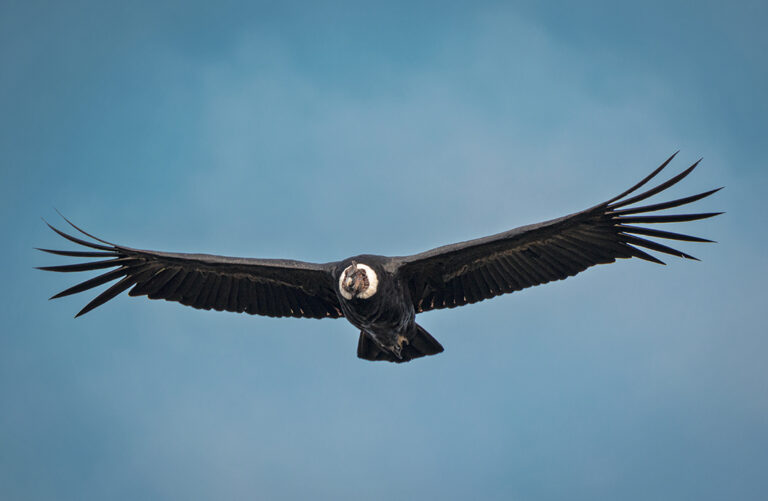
420 344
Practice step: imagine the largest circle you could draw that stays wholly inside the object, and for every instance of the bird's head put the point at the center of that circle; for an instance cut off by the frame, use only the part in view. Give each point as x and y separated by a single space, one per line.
358 281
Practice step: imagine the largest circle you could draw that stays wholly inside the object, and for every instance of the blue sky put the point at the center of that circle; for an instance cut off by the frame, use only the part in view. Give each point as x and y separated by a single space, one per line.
234 129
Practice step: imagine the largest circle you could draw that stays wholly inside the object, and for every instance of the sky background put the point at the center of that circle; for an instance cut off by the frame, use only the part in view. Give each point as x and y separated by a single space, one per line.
240 128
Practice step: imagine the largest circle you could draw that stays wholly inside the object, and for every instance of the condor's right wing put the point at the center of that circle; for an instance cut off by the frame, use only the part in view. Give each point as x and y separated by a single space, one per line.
272 287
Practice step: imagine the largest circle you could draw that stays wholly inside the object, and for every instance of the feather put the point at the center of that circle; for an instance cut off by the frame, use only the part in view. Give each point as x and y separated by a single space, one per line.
107 295
652 232
648 244
78 253
667 219
663 186
93 265
644 181
667 205
94 282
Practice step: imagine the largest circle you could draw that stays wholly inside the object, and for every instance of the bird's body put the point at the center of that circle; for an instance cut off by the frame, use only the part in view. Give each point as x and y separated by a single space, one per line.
387 315
380 295
383 311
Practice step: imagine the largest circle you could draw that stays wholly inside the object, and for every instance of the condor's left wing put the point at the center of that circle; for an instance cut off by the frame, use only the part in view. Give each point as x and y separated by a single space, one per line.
471 271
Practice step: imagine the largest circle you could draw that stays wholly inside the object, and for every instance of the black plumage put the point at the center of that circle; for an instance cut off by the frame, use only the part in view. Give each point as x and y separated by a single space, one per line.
381 295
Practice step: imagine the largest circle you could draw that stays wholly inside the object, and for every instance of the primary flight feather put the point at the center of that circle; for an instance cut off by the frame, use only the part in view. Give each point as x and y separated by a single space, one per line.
381 295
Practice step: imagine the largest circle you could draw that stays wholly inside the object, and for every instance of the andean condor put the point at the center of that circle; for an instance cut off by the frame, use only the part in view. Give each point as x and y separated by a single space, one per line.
382 295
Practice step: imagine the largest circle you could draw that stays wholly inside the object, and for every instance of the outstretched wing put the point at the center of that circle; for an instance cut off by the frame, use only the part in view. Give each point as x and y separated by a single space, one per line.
479 269
272 287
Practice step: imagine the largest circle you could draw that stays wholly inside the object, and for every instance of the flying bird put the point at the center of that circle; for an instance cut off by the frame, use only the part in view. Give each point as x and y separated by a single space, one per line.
379 295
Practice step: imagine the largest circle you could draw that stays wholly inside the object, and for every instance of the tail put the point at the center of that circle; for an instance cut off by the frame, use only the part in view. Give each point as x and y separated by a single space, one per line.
420 344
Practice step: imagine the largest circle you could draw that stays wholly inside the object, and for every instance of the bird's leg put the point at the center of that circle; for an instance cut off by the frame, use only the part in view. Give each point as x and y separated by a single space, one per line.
397 348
